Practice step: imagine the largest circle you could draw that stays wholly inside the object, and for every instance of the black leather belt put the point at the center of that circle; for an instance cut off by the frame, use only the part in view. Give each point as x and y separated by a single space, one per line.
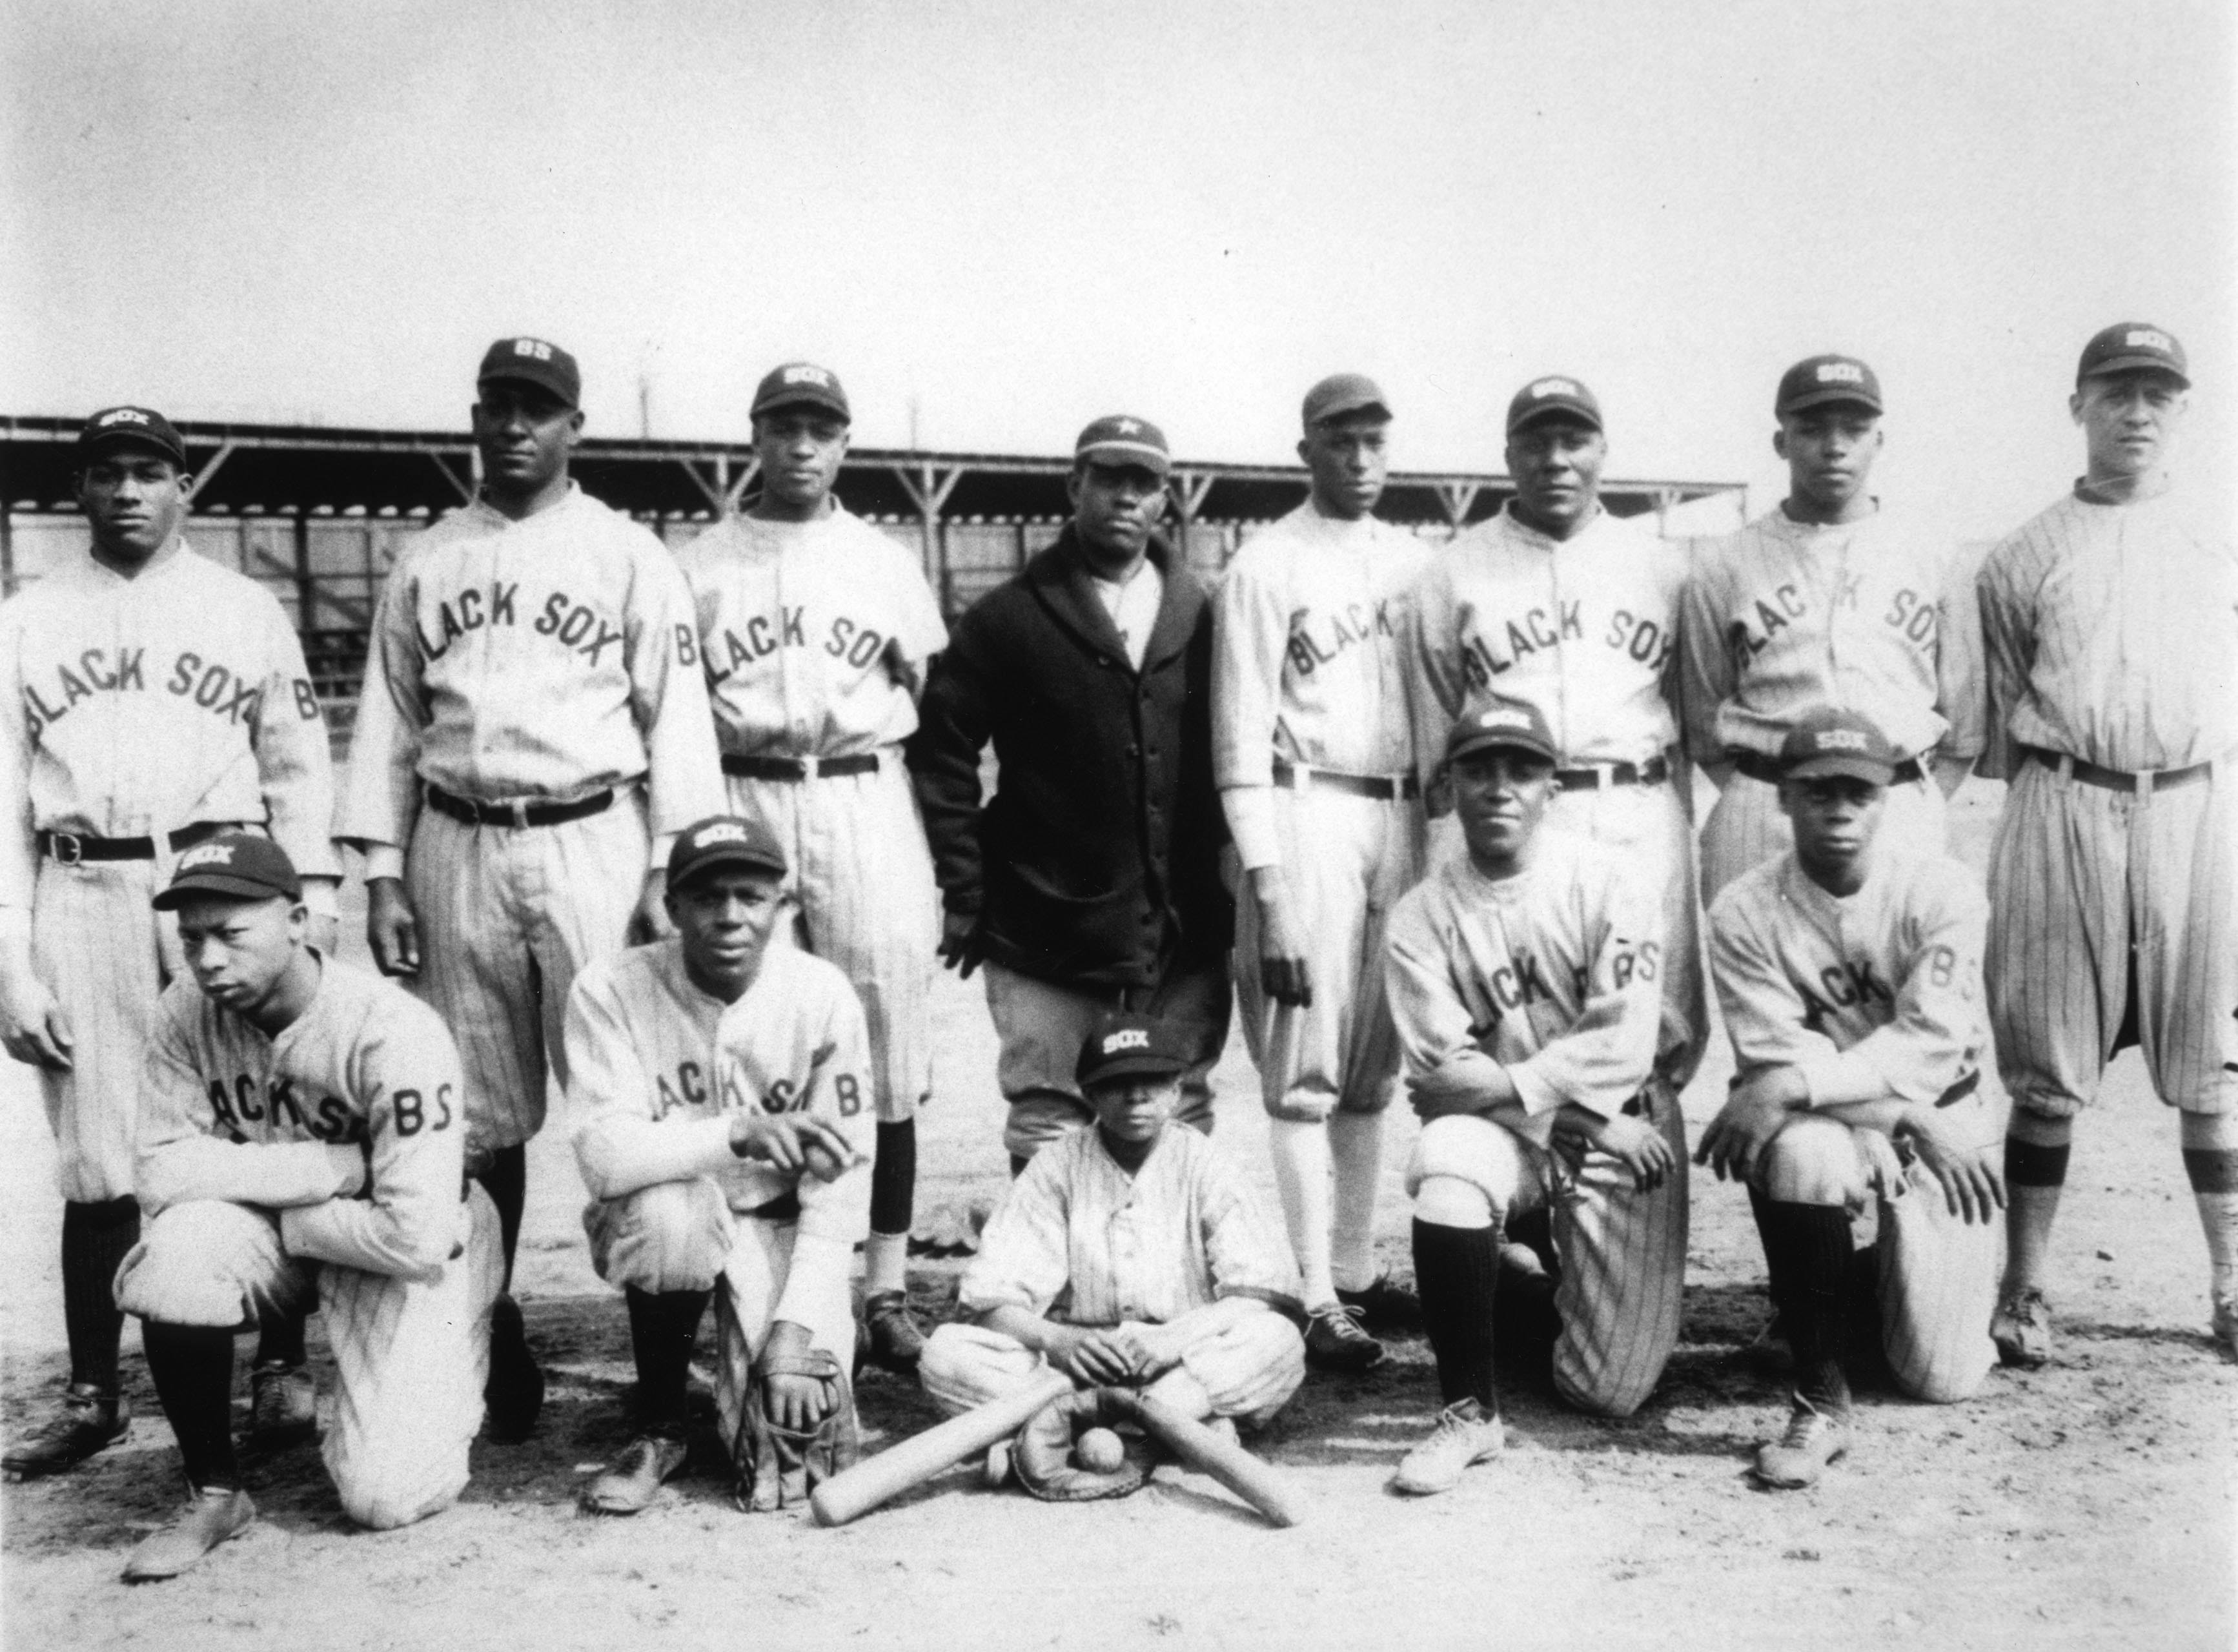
1383 788
1757 767
516 815
1960 1090
800 768
2116 779
1653 772
70 847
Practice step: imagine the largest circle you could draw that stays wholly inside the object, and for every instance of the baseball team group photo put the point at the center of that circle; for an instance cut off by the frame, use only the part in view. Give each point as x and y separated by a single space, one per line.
1115 1045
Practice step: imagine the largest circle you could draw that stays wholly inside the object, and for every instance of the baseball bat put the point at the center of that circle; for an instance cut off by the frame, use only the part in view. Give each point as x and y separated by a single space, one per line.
856 1491
1199 1448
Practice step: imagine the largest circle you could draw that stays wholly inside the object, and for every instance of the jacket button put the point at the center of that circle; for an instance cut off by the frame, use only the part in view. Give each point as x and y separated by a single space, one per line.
1136 751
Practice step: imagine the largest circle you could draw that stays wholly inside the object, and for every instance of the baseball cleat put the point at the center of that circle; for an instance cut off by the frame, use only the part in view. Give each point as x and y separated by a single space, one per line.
215 1514
1814 1438
514 1396
85 1422
283 1405
630 1481
1335 1341
1466 1435
1385 1306
2021 1327
895 1341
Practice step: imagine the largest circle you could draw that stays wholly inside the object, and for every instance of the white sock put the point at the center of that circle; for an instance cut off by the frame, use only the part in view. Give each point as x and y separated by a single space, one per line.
886 1264
2218 1214
1301 1175
1356 1145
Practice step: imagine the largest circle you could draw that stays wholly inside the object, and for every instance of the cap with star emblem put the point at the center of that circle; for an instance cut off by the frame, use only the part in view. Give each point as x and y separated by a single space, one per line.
1121 441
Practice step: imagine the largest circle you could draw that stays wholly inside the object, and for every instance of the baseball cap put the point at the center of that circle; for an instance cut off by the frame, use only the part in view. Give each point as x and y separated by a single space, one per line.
722 840
1343 393
1515 724
1119 440
800 384
532 360
1543 398
1832 739
1817 379
239 864
130 428
1126 1044
2128 346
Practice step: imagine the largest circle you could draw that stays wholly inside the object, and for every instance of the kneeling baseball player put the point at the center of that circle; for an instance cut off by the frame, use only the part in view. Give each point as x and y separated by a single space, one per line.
1851 974
1523 978
1130 1254
301 1139
726 1092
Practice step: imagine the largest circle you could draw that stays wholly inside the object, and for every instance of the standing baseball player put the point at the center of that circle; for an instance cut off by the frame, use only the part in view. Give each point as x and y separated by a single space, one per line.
1827 599
149 699
1849 972
815 629
302 1136
1314 757
2112 626
534 730
1523 978
1556 602
724 1090
1090 880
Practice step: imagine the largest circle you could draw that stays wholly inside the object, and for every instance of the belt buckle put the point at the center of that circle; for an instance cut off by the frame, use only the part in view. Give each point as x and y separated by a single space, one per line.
2144 785
517 810
810 767
55 842
1605 776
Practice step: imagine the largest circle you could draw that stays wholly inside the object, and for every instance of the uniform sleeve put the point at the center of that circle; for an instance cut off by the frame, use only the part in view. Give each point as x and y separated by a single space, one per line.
1024 1259
1249 1255
668 695
183 1153
622 1145
1438 1041
2008 655
835 1217
1250 631
294 763
1706 679
1959 686
411 1220
1603 1058
1934 1039
919 632
380 798
1766 1015
19 856
954 725
1437 684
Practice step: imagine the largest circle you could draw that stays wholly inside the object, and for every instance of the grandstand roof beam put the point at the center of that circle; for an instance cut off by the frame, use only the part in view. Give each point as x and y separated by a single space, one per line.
464 490
929 490
1457 497
214 463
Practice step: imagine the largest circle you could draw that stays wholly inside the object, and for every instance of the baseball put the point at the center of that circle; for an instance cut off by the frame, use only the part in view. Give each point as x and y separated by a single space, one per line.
1099 1451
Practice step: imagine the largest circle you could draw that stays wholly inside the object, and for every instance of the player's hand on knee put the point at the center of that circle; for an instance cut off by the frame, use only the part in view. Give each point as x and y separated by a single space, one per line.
1755 1111
1884 1172
35 1027
1636 1144
1973 1189
962 948
392 928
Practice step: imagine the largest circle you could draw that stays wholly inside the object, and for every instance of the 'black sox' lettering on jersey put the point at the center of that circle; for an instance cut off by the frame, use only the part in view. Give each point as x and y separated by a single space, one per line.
1843 985
218 689
1481 659
850 639
1354 623
574 625
690 1089
247 1101
1913 615
1648 641
471 611
1774 613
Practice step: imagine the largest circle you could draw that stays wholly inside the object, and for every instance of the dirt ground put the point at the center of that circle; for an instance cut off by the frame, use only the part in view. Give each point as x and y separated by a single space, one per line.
2086 1505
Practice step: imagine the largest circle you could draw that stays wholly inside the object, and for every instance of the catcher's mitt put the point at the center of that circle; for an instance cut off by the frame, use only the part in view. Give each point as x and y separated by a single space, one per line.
1042 1456
774 1465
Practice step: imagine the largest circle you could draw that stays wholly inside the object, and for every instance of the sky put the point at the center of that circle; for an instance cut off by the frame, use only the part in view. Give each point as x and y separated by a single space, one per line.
998 220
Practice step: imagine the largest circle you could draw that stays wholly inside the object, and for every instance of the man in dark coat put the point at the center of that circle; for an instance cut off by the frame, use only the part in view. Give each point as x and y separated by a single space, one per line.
1090 880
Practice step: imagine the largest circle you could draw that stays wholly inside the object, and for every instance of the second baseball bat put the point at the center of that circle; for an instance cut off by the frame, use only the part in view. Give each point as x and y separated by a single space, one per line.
857 1490
1199 1448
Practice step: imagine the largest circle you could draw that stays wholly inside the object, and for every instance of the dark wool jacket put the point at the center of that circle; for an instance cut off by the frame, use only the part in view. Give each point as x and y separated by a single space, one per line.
1097 862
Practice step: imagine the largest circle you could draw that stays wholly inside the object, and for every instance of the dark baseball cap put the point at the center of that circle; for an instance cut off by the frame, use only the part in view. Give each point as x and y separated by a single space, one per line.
532 360
1556 394
1119 440
2130 346
1818 381
1832 739
239 864
130 428
1340 393
722 840
1127 1045
1515 724
801 384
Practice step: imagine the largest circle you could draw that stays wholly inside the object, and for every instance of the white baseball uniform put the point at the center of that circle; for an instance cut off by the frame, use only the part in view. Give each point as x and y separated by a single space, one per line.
1308 701
1584 629
2113 665
1873 996
1876 615
133 708
657 1067
1552 975
540 662
815 638
327 1161
1078 1241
